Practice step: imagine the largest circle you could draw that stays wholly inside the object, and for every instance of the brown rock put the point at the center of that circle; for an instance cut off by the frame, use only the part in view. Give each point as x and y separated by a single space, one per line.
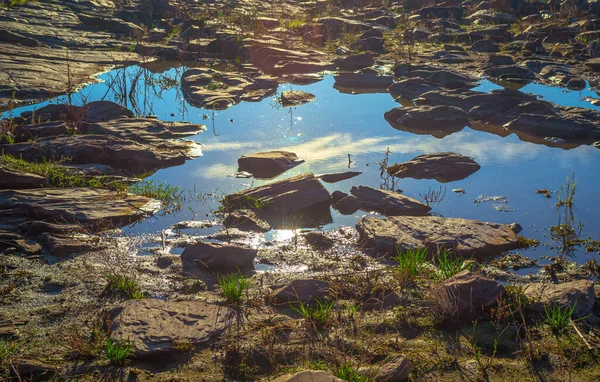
218 257
387 202
444 167
468 294
438 121
156 327
305 291
296 98
24 368
338 177
397 369
308 376
268 164
7 328
545 296
467 238
246 220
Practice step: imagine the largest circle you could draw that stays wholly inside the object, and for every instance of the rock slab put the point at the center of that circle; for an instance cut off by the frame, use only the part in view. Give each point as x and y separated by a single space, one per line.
218 257
268 164
444 167
387 202
544 296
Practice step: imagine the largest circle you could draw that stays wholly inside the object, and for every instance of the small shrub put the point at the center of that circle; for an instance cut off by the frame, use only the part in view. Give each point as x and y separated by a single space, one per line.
569 193
411 262
316 315
233 286
558 318
448 265
117 352
125 285
348 373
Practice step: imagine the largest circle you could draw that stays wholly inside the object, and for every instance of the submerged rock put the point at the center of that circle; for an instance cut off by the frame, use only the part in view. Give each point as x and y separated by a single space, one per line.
338 177
387 202
246 220
575 294
223 258
299 201
156 327
304 291
467 238
444 167
296 98
268 164
438 121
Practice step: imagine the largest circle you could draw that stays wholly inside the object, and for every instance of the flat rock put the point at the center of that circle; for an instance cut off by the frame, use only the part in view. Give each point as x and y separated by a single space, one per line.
156 327
362 83
145 130
357 61
438 121
468 238
224 258
338 177
308 376
16 179
387 202
398 369
444 167
305 291
268 164
545 296
211 89
469 294
593 64
296 98
246 220
25 368
299 201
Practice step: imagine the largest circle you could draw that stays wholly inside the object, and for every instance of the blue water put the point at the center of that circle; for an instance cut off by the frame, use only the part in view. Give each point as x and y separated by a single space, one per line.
324 132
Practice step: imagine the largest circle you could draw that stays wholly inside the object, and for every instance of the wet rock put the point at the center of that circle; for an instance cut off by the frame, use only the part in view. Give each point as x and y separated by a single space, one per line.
347 205
304 291
336 196
193 224
299 201
121 154
246 220
362 83
318 240
281 61
510 72
338 177
444 167
466 237
164 262
411 88
516 227
24 368
387 202
99 111
438 121
145 130
398 369
308 376
358 61
485 46
574 125
211 89
578 294
220 258
157 327
576 84
268 164
469 294
296 98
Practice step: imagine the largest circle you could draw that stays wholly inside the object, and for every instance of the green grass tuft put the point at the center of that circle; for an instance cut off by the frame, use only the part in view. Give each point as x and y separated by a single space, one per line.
172 197
566 196
411 262
117 352
125 285
448 265
348 373
558 318
233 286
316 315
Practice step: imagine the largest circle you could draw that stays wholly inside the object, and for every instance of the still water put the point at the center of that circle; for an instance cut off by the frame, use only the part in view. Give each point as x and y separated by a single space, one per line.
336 125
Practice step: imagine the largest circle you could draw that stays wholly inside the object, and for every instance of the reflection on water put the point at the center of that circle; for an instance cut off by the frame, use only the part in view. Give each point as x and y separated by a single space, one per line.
325 132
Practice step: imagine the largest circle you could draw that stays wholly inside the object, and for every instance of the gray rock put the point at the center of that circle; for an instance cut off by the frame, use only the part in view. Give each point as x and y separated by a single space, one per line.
318 240
246 220
15 38
467 238
362 83
398 369
124 28
387 202
357 61
16 179
223 258
268 164
305 291
438 121
156 327
544 296
485 46
444 167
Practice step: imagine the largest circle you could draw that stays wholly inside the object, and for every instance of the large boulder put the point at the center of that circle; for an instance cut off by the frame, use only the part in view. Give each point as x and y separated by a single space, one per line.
156 328
444 167
387 202
578 294
268 164
465 295
438 121
308 376
467 238
299 201
299 291
221 258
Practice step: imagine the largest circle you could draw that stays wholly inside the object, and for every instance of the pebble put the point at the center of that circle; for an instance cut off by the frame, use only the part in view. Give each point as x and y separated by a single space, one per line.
459 190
